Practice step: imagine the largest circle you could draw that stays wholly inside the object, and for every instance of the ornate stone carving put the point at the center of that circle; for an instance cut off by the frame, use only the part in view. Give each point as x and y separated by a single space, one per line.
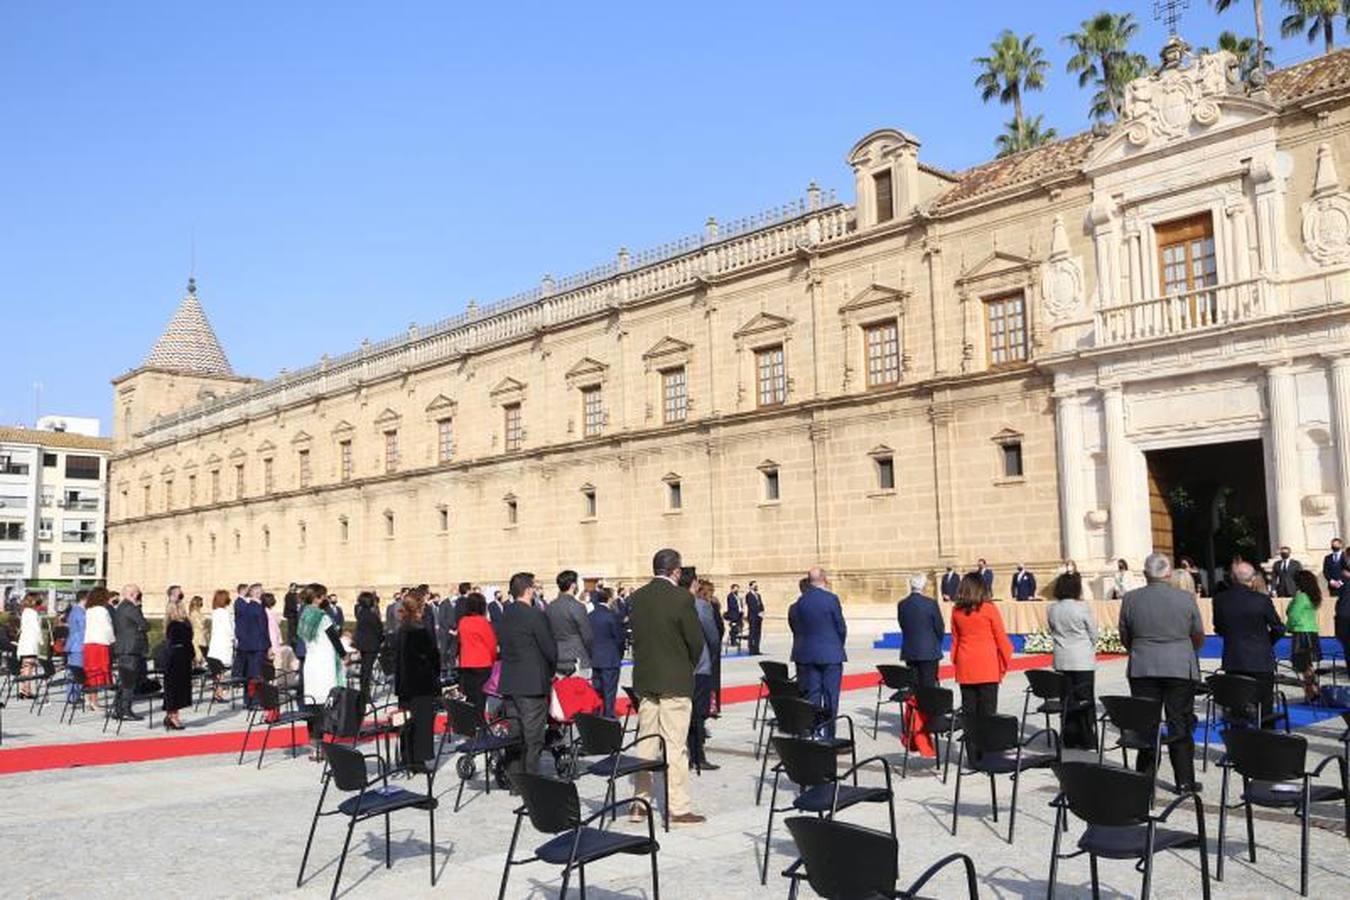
1062 276
1326 217
1165 105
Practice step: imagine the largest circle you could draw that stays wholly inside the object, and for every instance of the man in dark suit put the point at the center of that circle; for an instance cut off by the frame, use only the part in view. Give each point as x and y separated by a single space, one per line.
251 634
1023 584
951 582
1282 574
571 628
391 620
818 636
668 644
290 609
734 616
495 607
1334 565
1247 622
606 650
132 644
528 656
921 632
1342 613
982 569
754 611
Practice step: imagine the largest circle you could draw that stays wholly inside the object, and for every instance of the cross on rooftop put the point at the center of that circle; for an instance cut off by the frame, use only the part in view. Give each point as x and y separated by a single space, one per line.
1169 12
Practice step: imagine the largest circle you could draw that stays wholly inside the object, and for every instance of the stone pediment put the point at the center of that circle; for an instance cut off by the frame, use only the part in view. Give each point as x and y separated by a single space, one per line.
667 346
874 295
506 388
1000 262
387 417
440 403
881 144
1186 99
587 371
1007 435
881 450
343 427
167 470
190 464
762 323
213 460
237 453
301 437
266 447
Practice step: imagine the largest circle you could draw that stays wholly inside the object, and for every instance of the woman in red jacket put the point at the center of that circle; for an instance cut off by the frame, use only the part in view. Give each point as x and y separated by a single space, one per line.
477 649
981 651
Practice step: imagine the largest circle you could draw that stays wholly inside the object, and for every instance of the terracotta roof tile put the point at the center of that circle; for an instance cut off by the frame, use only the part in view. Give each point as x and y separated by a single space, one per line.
1019 168
59 439
1325 73
188 343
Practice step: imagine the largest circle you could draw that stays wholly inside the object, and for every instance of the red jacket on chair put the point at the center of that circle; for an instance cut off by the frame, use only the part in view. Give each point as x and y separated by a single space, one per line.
981 651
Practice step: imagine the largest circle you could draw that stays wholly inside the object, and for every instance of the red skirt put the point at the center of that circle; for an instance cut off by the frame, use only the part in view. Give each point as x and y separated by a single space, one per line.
97 665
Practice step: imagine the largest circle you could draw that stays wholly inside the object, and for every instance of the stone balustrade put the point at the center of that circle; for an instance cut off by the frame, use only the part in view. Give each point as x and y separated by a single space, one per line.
1218 306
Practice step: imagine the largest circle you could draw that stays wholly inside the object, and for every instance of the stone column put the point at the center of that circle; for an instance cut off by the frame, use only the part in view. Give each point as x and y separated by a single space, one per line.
1119 471
1069 428
1105 251
1340 416
937 309
942 414
1283 431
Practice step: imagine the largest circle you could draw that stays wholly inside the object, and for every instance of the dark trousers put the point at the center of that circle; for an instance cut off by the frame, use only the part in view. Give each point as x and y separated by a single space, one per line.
606 684
978 700
471 681
820 684
756 629
1080 710
698 733
925 671
368 658
532 715
1178 699
131 671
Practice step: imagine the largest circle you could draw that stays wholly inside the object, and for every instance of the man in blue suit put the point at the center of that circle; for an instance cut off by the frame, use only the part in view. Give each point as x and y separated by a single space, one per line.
734 616
951 581
921 632
818 635
606 650
983 570
1333 564
1023 584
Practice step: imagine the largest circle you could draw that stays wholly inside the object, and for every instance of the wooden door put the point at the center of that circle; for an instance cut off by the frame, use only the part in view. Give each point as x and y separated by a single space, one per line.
1159 516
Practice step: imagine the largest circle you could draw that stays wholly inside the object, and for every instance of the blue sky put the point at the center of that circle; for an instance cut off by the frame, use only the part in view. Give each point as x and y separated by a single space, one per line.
349 168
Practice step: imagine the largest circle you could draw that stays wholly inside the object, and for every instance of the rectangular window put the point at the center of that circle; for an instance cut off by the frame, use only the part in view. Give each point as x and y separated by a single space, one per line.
592 411
168 493
883 353
268 483
772 375
443 514
45 529
1186 264
215 485
192 490
239 482
675 395
49 462
445 440
885 473
145 500
86 467
391 451
11 531
588 505
389 524
44 558
512 427
345 460
343 531
512 512
1006 329
305 471
1012 459
9 467
771 485
885 196
674 495
304 534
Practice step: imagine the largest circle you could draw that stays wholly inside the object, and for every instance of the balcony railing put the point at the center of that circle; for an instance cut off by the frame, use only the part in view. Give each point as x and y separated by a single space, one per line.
81 570
82 503
79 537
1212 307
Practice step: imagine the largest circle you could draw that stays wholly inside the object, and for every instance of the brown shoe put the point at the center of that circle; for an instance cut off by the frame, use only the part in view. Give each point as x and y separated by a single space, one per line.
688 819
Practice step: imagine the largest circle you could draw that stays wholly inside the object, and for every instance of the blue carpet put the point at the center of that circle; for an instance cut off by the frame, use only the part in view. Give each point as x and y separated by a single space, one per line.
1301 715
891 640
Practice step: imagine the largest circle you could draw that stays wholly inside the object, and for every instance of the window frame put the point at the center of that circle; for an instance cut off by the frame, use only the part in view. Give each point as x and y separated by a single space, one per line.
887 177
884 354
592 410
513 426
445 439
1002 303
771 378
674 405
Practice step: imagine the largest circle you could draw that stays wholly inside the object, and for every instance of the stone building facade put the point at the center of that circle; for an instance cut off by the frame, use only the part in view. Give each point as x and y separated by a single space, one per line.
1034 358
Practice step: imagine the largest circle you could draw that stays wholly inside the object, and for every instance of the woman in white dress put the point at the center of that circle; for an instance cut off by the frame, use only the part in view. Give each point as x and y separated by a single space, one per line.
30 641
220 652
323 669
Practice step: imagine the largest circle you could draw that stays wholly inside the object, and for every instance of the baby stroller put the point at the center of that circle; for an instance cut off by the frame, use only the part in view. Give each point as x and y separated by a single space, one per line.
571 695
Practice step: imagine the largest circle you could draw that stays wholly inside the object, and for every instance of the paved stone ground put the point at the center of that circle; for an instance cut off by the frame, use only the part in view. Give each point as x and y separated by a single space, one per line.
204 827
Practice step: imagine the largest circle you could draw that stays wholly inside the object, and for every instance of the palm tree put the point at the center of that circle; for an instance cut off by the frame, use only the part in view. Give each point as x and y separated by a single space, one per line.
1031 134
1014 65
1315 17
1102 57
1259 13
1245 49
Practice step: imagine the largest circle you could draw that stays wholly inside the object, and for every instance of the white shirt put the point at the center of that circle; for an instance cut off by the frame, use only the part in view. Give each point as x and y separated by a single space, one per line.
30 632
98 627
221 647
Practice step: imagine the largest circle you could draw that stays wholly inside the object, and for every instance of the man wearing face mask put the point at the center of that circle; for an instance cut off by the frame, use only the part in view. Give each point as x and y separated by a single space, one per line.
1023 584
1333 564
1282 574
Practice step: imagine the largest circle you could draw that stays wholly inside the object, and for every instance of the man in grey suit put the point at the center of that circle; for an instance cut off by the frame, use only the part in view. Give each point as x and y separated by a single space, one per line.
1160 626
1282 574
132 644
570 625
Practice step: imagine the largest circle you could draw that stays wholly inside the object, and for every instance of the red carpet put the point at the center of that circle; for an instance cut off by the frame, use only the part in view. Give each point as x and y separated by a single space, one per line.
146 749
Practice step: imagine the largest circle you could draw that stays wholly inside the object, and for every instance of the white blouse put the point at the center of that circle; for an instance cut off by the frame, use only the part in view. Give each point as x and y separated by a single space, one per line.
30 632
98 627
221 647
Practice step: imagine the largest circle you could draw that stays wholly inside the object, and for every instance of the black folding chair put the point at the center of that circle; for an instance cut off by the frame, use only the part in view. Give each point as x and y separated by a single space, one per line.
554 809
1047 686
844 861
1246 703
373 796
771 670
799 718
775 687
899 680
1138 721
40 680
814 768
935 705
1116 805
272 712
479 739
997 748
141 693
634 701
598 736
1274 770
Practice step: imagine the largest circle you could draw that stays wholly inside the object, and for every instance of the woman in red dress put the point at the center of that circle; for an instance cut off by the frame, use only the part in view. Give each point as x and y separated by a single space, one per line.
98 639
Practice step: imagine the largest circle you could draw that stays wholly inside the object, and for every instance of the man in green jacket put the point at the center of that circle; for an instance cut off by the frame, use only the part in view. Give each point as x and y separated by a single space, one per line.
667 645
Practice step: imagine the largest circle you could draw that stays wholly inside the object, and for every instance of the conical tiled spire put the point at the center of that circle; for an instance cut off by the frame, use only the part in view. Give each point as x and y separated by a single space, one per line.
188 343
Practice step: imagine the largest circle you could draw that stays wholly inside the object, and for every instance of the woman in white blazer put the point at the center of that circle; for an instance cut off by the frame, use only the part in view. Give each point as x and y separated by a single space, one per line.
30 641
1074 630
220 652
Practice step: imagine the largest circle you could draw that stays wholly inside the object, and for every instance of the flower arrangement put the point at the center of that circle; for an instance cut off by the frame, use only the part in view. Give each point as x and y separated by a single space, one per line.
1108 641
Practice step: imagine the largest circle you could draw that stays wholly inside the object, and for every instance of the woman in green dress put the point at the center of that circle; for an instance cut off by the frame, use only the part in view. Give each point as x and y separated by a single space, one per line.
1306 643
